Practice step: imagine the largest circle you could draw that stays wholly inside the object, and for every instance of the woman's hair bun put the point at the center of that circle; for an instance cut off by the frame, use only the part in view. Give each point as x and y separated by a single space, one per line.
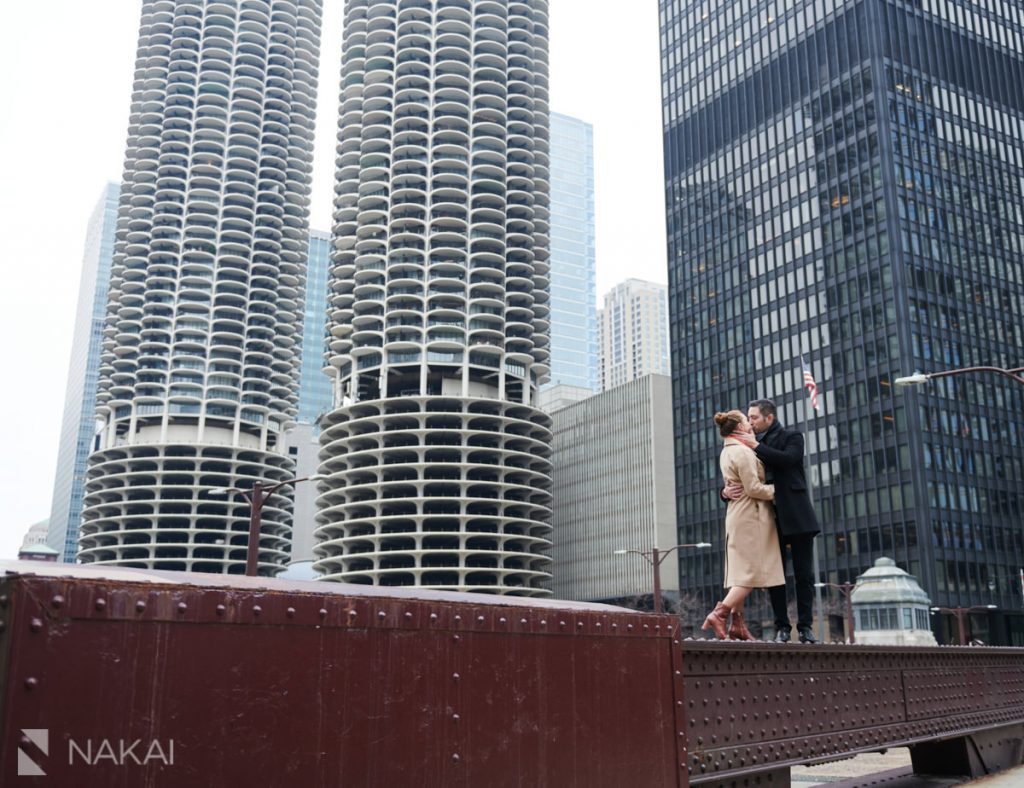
728 421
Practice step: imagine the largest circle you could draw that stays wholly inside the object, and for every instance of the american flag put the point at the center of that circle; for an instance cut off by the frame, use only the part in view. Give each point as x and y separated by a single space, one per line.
810 384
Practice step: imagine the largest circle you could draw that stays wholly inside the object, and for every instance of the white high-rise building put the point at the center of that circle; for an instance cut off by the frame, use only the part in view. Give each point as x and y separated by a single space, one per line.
199 370
437 456
634 332
614 489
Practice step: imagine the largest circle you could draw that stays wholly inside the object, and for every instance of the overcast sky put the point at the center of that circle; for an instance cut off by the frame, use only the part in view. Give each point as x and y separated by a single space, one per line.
66 72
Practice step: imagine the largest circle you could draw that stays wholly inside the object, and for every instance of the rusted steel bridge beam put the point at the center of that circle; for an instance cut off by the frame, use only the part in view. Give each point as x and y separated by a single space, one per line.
283 683
758 708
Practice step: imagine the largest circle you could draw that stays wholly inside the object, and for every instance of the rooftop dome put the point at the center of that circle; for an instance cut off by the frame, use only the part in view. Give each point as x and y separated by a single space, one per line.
886 582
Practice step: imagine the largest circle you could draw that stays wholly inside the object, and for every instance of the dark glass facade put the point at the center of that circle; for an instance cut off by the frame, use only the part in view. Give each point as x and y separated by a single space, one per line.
845 184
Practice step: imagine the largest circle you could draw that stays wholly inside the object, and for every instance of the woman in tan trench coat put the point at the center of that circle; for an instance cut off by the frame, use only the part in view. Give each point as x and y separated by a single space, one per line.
752 555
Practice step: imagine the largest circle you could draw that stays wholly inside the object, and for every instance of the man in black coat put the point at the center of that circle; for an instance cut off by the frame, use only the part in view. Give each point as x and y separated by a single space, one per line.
782 452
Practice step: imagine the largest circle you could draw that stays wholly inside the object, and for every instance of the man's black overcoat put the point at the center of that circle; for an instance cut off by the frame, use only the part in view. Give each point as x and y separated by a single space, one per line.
782 452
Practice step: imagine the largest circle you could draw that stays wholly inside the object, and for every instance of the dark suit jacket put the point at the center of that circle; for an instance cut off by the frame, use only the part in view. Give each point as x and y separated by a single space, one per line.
782 452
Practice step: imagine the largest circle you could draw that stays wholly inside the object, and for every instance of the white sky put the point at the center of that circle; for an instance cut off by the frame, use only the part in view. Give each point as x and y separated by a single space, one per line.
65 81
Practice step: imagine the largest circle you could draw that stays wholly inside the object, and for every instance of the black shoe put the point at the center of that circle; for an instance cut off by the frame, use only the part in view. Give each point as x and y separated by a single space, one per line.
806 636
782 636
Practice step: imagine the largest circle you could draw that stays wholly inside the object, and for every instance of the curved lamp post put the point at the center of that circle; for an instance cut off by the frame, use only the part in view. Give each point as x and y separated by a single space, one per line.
257 496
960 613
654 557
919 378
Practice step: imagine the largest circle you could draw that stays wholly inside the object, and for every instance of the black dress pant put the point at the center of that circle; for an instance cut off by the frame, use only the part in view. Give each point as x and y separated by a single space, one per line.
801 550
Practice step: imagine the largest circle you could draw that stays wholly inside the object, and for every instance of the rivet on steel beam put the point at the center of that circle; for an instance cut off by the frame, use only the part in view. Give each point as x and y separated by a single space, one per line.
456 638
456 676
433 616
221 610
256 610
351 613
290 612
579 625
408 615
182 607
455 758
615 626
3 600
31 682
629 627
561 623
598 625
502 620
323 612
101 604
457 619
57 601
523 621
381 614
657 627
140 606
646 627
480 619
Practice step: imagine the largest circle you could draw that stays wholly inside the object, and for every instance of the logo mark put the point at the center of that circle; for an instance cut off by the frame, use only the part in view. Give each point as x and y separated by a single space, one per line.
40 738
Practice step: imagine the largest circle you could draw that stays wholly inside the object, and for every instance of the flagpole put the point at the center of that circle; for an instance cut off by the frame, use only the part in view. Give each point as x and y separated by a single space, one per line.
814 541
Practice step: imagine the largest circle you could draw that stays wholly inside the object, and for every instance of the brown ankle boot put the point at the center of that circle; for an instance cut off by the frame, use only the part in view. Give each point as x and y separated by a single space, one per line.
738 629
718 620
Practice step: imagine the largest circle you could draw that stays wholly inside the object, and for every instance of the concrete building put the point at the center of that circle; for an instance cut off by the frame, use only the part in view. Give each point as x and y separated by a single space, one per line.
574 355
634 332
303 448
78 424
314 385
557 397
199 370
844 188
437 455
613 489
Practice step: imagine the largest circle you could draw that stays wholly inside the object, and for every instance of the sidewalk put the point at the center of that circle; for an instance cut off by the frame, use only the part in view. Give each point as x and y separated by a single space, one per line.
890 769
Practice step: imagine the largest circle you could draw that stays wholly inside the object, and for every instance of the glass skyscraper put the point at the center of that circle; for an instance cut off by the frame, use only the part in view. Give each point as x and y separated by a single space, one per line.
314 386
573 274
844 186
78 424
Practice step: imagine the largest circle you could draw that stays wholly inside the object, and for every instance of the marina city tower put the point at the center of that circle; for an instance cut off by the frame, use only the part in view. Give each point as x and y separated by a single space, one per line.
436 454
198 374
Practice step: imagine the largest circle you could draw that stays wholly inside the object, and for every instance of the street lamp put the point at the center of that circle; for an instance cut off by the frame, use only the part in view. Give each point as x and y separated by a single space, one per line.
257 495
847 589
919 378
961 617
654 557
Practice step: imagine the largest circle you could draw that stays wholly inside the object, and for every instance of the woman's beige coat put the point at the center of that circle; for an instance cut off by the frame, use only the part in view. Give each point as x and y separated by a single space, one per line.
752 555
